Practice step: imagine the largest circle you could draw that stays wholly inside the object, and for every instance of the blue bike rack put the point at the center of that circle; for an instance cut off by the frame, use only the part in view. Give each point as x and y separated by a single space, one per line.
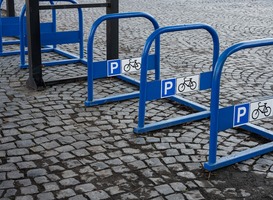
101 69
50 38
9 27
152 90
235 116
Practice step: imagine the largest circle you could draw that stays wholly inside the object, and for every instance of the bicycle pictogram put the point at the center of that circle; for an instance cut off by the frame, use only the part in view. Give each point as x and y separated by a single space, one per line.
132 64
187 83
264 109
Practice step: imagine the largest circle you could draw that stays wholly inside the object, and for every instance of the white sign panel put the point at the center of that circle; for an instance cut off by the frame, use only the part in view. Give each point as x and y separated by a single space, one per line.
187 84
131 65
261 109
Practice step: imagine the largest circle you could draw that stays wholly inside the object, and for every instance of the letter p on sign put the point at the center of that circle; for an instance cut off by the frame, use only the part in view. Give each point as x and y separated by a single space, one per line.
241 114
113 67
168 87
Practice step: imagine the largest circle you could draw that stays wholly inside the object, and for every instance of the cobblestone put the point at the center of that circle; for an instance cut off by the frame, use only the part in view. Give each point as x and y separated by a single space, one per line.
54 147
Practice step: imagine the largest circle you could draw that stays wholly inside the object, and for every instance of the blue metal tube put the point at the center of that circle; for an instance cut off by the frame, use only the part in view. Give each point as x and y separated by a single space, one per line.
90 44
215 91
146 49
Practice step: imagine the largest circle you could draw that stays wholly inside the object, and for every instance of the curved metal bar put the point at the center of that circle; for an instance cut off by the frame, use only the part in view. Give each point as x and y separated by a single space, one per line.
90 44
146 49
215 91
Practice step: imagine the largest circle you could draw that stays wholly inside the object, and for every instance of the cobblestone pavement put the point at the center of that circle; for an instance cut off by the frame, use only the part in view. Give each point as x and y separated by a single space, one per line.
53 147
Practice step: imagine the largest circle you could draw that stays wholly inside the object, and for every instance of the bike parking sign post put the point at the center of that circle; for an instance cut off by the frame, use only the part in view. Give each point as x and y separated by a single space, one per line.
238 115
168 88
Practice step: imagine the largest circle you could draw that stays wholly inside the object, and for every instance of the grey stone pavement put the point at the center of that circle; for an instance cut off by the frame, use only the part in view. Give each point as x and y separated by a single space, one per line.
53 147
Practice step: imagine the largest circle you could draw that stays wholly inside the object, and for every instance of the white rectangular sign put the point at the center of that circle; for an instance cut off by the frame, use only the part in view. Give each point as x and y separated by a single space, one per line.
187 84
131 65
261 109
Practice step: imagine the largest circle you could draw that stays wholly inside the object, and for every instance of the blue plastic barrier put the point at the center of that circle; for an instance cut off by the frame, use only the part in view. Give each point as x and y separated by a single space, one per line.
50 36
158 89
236 116
9 27
115 67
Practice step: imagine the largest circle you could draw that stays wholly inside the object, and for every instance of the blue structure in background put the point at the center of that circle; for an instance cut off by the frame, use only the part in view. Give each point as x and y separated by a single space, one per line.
157 89
108 68
50 36
239 115
9 27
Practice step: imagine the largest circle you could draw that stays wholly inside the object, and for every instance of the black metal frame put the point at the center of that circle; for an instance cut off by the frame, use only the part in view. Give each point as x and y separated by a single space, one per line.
10 8
35 80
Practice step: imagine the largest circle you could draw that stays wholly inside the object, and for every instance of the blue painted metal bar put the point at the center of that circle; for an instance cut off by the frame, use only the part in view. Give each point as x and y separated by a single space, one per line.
146 49
238 157
90 47
172 122
258 130
50 36
215 92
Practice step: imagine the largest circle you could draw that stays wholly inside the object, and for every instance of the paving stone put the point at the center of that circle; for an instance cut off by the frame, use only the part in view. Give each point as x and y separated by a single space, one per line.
104 173
185 174
193 195
26 197
69 182
85 187
41 179
65 193
97 195
175 197
68 174
52 186
46 195
15 175
17 152
10 193
99 166
2 176
162 146
8 167
178 187
72 163
7 184
81 152
65 148
137 164
26 165
100 156
33 189
78 197
114 190
7 146
24 182
128 196
36 172
164 189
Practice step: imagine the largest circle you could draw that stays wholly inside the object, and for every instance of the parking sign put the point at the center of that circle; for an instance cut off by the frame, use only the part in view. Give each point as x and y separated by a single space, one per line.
113 67
168 87
241 114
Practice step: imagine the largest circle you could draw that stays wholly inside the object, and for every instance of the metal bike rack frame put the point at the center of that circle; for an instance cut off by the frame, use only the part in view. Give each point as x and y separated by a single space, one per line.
35 80
50 36
99 69
152 90
9 27
224 118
